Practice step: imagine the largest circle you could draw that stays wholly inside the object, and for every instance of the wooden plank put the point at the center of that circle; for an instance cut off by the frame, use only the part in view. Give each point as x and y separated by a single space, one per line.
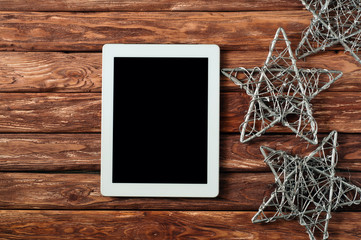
42 112
74 152
59 112
81 72
147 5
50 72
332 110
37 224
238 191
64 31
49 152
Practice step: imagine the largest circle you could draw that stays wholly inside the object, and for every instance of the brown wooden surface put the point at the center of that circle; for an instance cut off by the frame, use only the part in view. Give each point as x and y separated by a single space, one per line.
238 191
50 72
81 72
81 152
148 5
76 31
50 152
43 112
139 225
50 111
80 112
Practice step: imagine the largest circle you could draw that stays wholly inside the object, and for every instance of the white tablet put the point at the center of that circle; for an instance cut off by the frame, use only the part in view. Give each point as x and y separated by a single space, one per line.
160 120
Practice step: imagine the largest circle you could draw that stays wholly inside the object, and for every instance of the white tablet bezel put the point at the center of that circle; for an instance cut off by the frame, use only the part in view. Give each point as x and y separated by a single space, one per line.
211 188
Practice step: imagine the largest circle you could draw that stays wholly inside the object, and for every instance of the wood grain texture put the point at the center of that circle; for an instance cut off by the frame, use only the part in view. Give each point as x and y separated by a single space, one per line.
80 112
45 81
41 112
147 5
64 31
142 225
238 191
81 72
74 152
49 152
50 72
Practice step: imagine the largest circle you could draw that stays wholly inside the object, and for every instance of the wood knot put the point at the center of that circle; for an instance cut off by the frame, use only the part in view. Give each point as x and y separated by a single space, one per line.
77 195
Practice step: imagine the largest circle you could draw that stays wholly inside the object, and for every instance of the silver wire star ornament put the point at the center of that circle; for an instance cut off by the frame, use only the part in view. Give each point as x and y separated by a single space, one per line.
280 92
307 188
334 22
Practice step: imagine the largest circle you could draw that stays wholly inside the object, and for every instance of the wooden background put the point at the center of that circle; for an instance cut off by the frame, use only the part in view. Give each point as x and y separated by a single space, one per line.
50 108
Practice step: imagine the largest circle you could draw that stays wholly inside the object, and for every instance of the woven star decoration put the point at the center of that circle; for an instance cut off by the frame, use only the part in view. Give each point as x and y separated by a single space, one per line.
334 22
307 188
280 92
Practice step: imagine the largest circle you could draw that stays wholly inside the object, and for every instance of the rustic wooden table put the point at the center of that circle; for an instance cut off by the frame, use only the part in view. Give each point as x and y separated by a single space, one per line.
50 107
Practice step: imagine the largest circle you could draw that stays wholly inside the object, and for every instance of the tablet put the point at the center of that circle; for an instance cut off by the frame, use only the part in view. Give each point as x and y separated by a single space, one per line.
160 120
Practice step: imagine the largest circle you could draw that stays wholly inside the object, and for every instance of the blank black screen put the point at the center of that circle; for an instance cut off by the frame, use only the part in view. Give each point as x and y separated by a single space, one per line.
160 120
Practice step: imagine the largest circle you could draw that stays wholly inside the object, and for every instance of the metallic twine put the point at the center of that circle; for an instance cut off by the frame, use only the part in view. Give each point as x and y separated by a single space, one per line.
307 188
280 92
334 22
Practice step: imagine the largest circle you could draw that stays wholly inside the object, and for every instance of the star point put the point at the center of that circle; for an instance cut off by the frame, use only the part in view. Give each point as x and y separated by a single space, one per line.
280 92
